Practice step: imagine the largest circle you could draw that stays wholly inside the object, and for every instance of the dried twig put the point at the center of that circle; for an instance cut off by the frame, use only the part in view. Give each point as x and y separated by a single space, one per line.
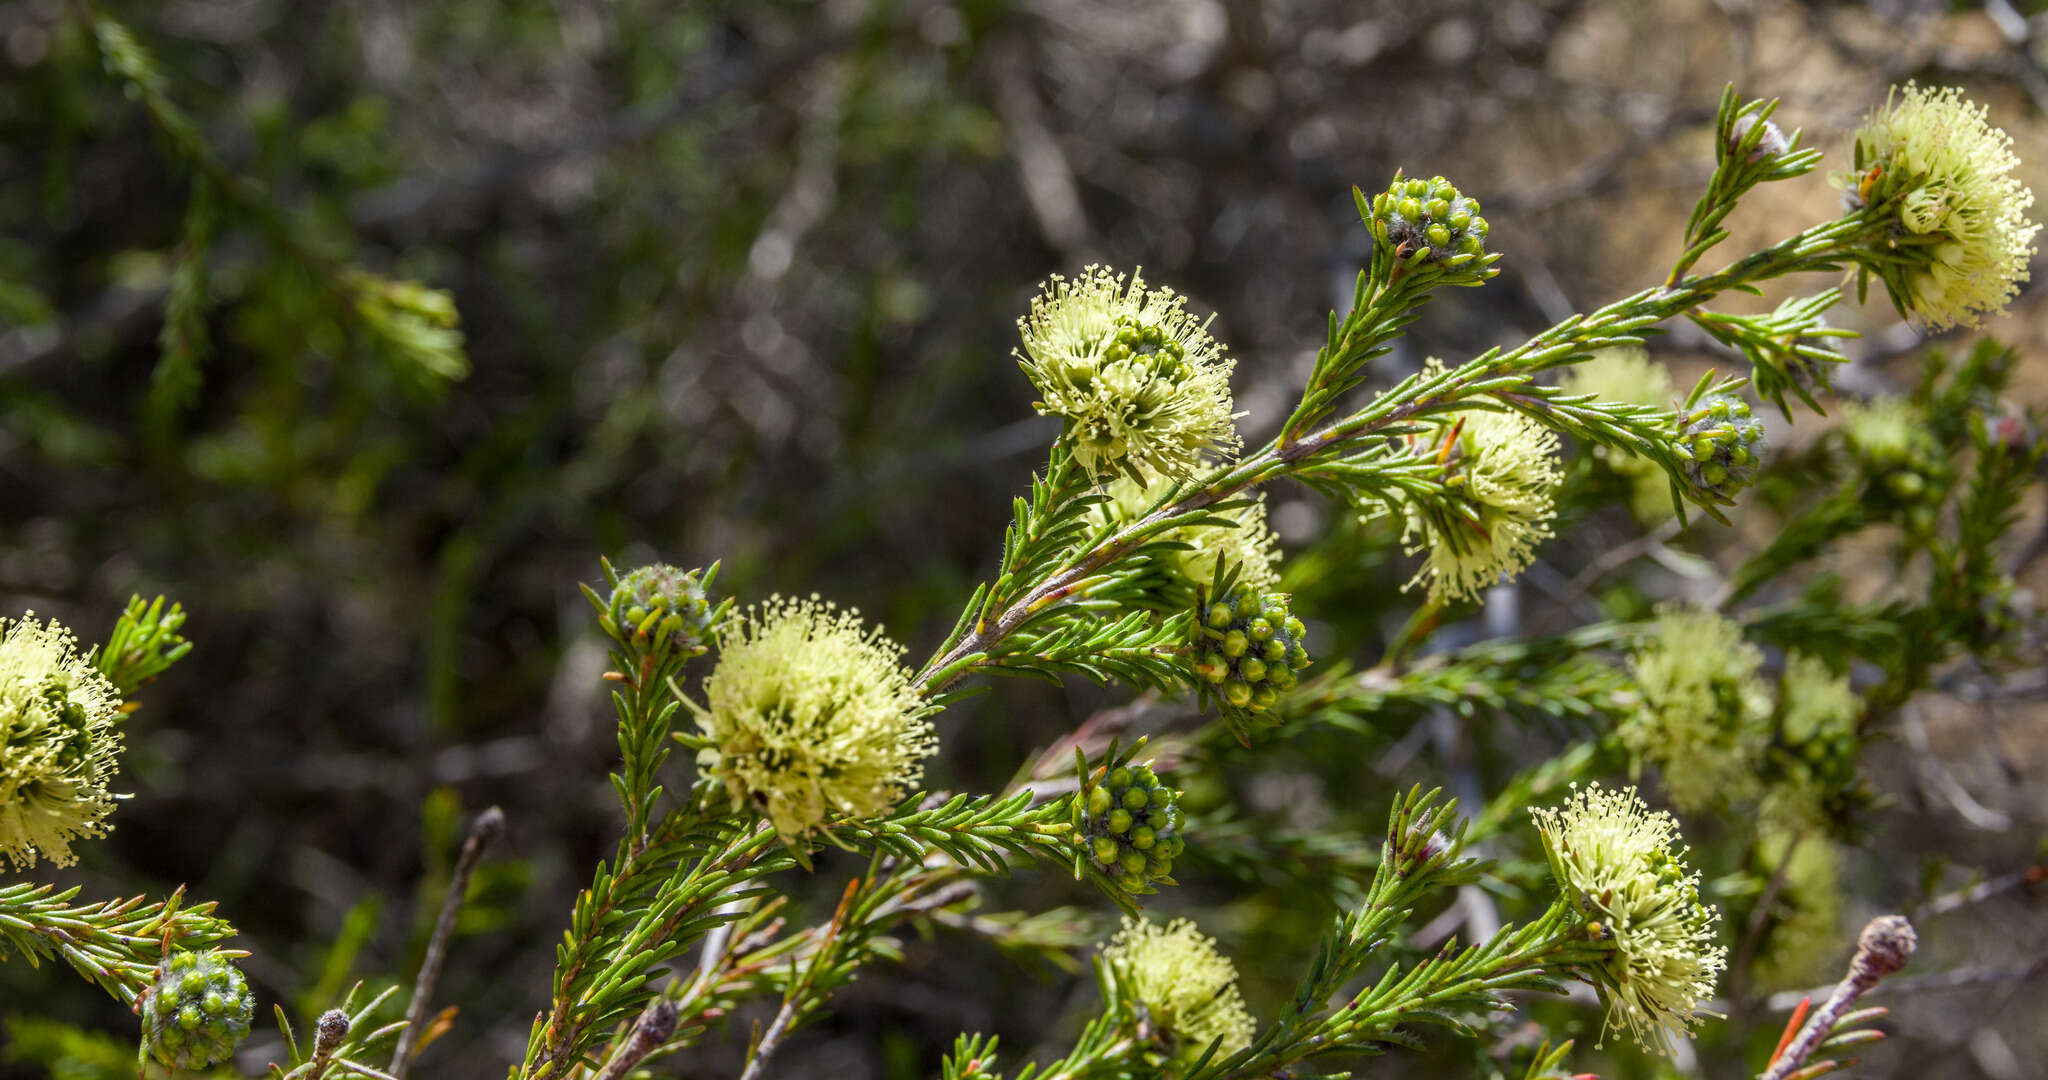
794 1000
1980 892
1050 189
1753 933
1937 780
481 832
1959 979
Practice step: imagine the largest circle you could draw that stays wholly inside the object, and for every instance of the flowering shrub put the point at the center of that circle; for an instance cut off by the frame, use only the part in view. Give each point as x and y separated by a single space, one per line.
1141 557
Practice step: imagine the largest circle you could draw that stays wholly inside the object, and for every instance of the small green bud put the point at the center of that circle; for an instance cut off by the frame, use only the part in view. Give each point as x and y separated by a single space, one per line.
661 607
195 1013
1723 440
1430 221
1131 818
1252 658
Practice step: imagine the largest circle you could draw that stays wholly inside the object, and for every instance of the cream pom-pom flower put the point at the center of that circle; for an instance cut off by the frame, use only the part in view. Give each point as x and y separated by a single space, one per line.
810 713
1503 473
1622 866
1705 714
1188 988
1142 386
1932 160
1627 374
1247 543
59 741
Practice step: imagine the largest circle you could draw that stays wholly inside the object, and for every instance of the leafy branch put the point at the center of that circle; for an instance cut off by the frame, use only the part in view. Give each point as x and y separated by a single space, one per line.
1498 373
413 322
145 642
1421 854
115 943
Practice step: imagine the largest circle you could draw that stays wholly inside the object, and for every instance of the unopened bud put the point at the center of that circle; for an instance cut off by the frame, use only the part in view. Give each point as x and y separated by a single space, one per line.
1883 948
332 1029
1770 144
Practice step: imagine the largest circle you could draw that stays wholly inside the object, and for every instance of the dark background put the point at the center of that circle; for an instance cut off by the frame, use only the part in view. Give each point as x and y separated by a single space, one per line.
739 282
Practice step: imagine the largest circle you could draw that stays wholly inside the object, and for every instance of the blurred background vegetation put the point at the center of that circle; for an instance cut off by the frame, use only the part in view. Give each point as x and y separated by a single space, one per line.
739 281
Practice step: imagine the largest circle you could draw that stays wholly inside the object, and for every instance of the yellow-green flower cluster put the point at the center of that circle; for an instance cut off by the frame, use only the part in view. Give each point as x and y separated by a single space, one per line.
1705 717
1143 388
1188 988
809 713
1904 460
59 741
1503 474
1882 431
1621 866
1626 374
1932 158
1250 545
1814 758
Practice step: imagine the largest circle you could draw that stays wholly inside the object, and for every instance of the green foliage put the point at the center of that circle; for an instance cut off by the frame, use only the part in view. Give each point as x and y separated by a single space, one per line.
144 643
65 1051
698 914
116 944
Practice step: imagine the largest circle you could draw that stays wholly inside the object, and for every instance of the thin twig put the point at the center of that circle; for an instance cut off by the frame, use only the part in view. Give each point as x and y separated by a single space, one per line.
1958 979
653 1028
481 832
1050 190
1616 557
785 1017
1980 892
1752 934
1937 780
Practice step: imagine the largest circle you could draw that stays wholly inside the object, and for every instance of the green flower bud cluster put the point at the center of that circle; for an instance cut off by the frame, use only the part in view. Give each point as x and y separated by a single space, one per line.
1131 825
1142 341
1248 647
1906 466
1722 444
1811 766
197 1010
1818 777
1429 221
661 607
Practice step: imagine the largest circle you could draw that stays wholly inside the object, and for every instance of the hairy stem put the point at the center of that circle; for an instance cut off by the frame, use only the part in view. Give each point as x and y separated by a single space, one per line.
1885 946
